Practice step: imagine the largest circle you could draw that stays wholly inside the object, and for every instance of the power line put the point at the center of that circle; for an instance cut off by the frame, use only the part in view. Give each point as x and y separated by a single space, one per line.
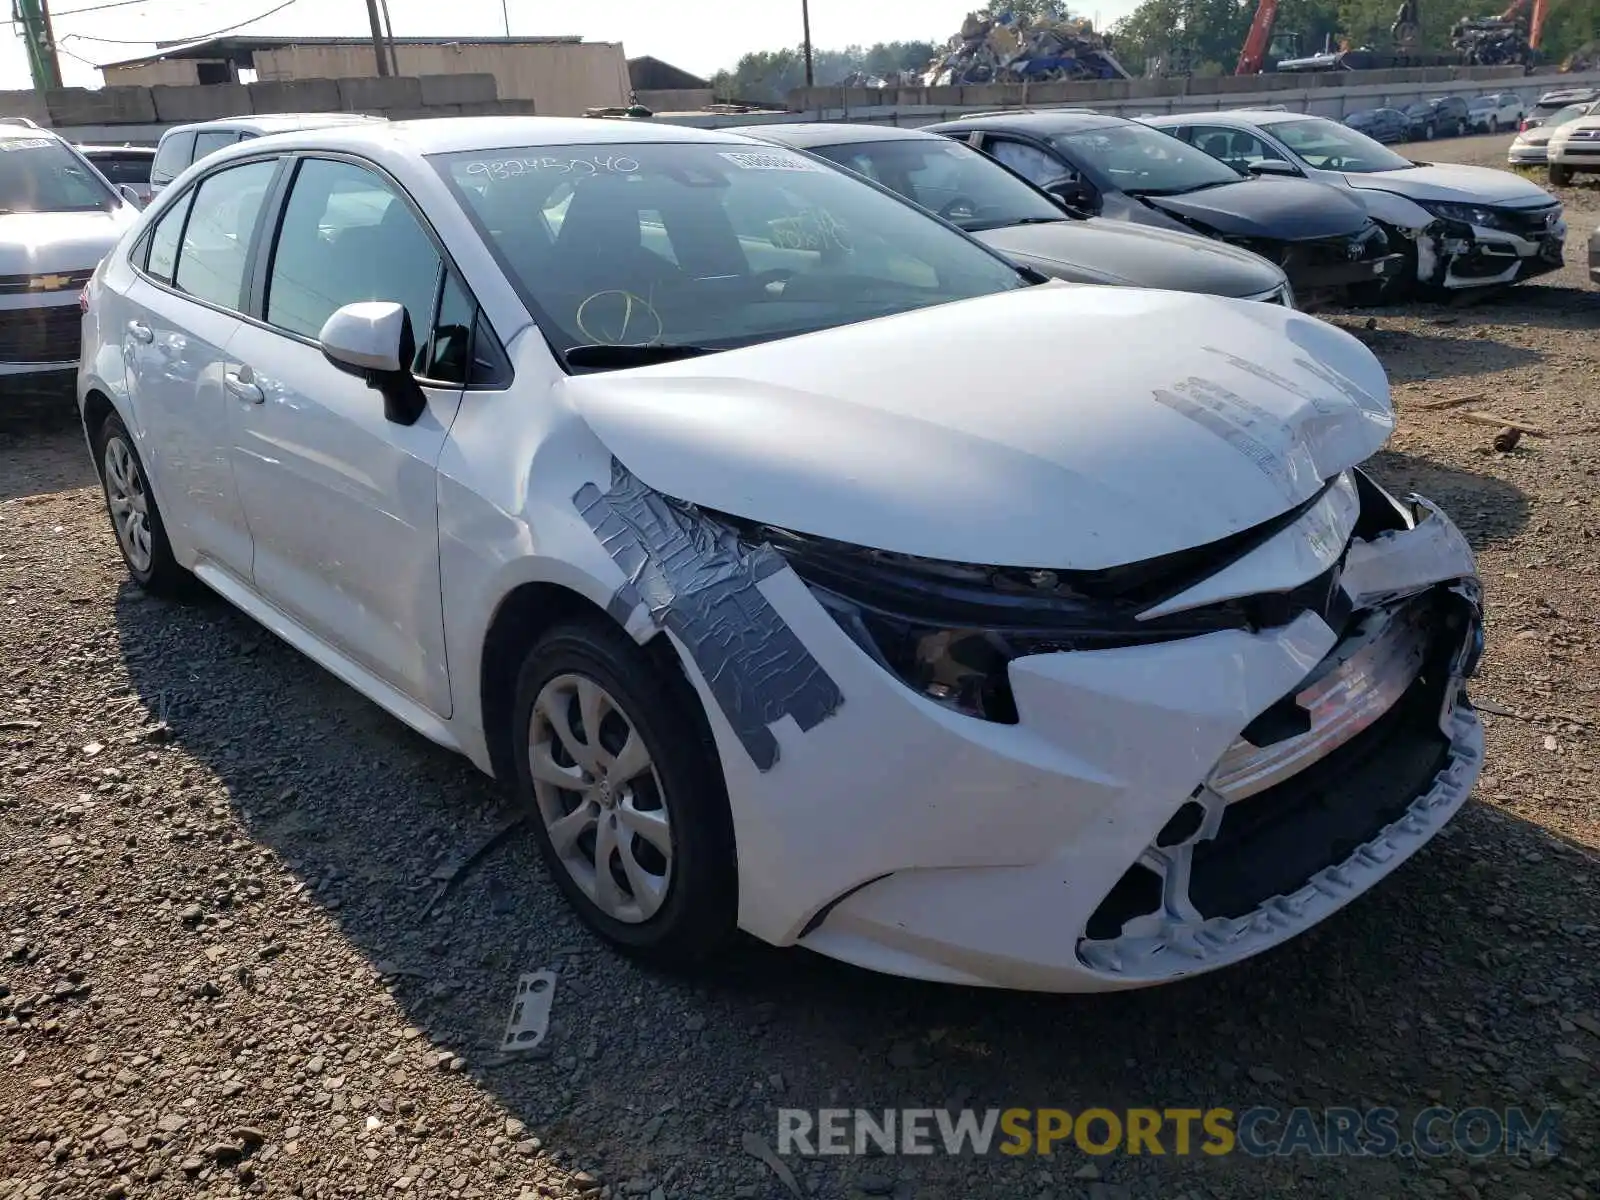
194 37
67 12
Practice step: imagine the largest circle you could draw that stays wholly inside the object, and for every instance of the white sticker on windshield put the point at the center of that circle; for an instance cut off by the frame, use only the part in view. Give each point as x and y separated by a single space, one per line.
10 144
758 160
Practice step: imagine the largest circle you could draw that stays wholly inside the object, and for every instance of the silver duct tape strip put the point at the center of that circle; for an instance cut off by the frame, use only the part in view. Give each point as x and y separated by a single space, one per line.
699 581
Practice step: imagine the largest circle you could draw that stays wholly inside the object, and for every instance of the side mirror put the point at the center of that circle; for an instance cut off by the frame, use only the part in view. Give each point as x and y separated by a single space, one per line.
130 194
1069 192
373 341
1273 166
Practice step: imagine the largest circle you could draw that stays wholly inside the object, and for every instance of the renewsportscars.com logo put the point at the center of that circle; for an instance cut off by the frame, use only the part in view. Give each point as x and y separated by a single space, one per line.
1259 1132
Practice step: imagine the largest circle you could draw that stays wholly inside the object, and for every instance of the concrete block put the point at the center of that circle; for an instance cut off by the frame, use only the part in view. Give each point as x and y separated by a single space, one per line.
177 105
107 106
24 104
860 97
420 114
457 89
500 108
988 95
377 94
295 96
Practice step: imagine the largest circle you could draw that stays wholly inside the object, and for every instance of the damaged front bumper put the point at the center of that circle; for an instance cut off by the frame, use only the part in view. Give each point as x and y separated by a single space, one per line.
1155 811
1457 255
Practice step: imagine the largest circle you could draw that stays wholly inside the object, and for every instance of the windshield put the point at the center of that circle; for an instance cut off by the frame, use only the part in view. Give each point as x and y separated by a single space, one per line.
42 175
1331 147
948 178
707 244
1142 162
1566 116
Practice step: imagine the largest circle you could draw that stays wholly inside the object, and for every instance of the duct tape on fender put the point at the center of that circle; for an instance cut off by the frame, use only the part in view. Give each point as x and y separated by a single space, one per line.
698 581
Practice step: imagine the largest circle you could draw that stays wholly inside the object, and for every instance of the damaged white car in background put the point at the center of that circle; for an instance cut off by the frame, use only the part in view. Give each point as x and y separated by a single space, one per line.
667 475
1464 227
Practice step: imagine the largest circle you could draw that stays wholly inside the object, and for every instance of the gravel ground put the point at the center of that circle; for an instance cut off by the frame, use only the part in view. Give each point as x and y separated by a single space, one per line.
219 978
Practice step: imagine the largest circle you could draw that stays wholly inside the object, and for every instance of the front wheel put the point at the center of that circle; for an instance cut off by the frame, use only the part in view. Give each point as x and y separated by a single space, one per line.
135 518
626 793
1429 133
1559 175
1494 124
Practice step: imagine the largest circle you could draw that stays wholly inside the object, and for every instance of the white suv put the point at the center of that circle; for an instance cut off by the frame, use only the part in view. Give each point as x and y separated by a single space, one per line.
749 523
183 145
58 218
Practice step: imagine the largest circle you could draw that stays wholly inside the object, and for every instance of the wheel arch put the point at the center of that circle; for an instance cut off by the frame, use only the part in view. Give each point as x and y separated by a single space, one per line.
97 408
525 614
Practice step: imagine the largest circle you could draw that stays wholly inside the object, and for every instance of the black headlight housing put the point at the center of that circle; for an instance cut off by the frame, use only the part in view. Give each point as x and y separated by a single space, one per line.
950 630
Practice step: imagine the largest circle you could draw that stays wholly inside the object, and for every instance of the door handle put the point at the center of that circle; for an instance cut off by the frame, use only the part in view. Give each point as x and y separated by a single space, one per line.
141 333
242 389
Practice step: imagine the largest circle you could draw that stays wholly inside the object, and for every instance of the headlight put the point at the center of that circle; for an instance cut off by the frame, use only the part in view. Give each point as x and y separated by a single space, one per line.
949 631
1470 214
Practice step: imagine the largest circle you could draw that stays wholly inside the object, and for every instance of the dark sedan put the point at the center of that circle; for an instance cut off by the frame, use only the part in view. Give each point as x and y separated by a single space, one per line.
1005 211
1443 116
1386 125
1120 169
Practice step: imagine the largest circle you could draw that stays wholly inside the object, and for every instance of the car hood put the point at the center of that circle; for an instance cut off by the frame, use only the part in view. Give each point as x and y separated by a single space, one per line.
1456 184
59 241
1033 428
1539 135
1101 251
1291 209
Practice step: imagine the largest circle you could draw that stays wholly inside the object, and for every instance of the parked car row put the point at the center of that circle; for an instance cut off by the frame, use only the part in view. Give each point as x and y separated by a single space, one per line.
1442 116
803 562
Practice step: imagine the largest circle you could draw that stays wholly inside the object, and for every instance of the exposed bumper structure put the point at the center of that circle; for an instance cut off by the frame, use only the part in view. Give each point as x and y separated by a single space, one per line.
1156 810
1456 255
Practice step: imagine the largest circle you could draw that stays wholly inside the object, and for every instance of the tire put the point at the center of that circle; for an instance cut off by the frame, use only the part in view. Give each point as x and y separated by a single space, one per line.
135 518
678 796
1560 176
1494 125
1429 133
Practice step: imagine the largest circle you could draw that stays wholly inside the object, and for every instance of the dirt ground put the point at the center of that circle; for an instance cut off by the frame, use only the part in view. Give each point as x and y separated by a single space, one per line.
218 977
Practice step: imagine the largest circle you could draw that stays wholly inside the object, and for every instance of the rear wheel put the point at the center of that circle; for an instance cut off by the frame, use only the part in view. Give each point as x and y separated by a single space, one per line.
135 518
627 799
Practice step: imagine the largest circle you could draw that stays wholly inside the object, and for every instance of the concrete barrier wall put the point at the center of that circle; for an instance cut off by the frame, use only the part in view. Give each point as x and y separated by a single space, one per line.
140 113
1334 95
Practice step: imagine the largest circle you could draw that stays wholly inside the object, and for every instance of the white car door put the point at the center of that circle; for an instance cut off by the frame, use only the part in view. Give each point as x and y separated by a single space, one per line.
190 276
343 502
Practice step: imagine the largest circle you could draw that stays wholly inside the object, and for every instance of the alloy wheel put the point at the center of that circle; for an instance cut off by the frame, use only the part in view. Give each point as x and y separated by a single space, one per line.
129 504
600 798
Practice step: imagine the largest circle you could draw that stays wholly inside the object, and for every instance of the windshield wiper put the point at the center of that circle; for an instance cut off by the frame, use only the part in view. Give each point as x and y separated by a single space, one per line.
619 357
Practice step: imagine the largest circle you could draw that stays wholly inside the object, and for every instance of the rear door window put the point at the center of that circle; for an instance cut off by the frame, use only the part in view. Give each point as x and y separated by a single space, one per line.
175 153
216 242
210 141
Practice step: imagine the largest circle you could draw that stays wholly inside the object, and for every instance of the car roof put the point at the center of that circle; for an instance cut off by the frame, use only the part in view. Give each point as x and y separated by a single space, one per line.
269 123
803 134
1241 117
1043 123
447 135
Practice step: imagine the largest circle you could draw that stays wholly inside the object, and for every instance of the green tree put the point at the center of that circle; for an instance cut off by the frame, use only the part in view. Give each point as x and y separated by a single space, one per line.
768 76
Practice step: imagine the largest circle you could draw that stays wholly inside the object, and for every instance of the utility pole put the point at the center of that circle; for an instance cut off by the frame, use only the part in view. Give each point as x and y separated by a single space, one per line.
805 19
388 37
505 14
43 65
379 49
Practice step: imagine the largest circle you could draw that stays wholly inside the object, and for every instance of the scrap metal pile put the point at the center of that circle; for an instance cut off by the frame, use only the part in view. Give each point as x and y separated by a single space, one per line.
997 46
1490 41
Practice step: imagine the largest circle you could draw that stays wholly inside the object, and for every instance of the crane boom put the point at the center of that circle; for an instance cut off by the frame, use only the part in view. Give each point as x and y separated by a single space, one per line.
1541 9
1254 54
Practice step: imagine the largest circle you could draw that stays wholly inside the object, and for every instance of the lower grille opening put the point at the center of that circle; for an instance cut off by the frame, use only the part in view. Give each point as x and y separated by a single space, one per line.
40 335
1272 843
1136 894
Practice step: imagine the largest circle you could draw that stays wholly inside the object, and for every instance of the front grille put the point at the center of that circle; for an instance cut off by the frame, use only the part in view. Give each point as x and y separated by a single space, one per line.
1529 222
44 283
40 335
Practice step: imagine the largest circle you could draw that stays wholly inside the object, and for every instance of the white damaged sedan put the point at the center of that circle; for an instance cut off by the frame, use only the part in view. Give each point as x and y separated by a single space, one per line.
798 563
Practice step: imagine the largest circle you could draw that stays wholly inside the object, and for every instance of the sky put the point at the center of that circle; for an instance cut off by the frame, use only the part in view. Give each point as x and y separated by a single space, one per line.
696 35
